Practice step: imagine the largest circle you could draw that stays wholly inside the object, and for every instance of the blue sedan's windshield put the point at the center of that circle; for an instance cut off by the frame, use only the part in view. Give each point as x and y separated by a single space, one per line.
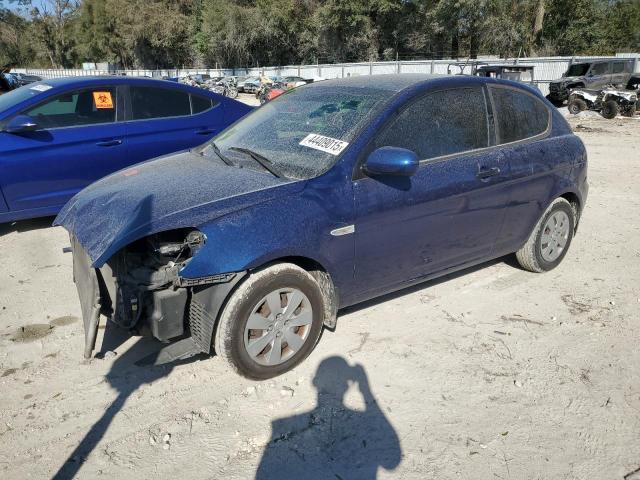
303 131
19 95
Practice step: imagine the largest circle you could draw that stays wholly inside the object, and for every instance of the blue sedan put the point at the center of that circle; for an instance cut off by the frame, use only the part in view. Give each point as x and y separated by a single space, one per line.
58 136
334 193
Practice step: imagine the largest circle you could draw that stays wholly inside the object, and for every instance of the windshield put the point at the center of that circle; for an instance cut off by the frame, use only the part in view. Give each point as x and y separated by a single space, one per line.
577 70
303 131
14 97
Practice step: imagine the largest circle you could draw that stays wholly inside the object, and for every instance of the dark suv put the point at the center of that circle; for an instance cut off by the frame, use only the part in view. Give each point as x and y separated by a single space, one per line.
592 75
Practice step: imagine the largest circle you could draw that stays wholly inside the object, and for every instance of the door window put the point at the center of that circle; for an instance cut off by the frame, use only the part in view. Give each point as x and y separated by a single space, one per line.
600 69
73 109
519 115
151 102
440 123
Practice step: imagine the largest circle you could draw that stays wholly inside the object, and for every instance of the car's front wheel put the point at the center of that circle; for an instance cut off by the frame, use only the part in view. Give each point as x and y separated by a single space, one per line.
548 243
271 322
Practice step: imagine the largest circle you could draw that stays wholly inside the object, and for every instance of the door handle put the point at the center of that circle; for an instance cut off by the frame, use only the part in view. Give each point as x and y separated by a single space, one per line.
205 131
486 173
109 143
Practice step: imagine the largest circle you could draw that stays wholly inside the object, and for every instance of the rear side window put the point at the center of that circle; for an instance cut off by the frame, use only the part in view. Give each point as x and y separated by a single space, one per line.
151 102
440 123
74 109
200 104
518 115
621 67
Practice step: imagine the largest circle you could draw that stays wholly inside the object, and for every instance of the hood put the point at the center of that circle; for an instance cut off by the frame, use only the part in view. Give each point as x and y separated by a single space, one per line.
565 80
176 191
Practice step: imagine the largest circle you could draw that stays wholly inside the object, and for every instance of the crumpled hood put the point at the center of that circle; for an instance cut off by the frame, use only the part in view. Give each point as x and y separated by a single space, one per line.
175 191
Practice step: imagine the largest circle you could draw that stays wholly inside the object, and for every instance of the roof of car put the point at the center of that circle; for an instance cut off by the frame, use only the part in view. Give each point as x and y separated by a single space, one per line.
401 81
101 79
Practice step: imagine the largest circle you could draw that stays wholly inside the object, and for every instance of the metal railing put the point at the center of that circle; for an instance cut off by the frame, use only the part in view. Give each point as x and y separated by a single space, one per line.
546 69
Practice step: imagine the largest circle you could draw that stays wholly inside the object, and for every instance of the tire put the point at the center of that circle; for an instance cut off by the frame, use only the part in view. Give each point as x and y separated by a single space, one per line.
240 346
576 106
232 92
610 109
630 111
534 256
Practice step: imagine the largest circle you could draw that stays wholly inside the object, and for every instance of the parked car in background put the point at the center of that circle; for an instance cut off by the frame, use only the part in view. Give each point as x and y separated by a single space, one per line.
58 136
593 76
249 85
8 81
26 79
332 194
517 73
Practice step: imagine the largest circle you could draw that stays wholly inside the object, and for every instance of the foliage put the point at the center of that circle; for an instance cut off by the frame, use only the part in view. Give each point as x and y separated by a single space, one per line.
228 33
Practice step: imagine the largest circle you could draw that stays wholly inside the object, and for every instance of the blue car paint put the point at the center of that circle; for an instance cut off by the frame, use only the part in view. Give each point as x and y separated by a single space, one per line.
41 170
392 161
407 229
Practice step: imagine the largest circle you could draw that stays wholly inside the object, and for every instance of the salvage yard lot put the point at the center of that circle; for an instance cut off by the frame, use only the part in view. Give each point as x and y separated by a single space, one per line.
487 374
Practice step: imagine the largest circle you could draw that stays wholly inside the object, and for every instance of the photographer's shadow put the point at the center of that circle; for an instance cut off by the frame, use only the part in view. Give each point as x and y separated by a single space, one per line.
333 440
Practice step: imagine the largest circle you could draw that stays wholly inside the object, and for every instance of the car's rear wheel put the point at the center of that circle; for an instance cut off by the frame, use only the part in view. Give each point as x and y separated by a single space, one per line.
550 240
271 322
610 109
576 105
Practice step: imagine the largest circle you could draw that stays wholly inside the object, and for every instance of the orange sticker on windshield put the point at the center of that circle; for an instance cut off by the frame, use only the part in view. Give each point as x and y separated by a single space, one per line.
103 99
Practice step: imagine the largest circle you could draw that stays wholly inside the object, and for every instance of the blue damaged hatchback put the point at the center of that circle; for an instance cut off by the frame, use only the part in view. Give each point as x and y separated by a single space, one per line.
332 194
58 136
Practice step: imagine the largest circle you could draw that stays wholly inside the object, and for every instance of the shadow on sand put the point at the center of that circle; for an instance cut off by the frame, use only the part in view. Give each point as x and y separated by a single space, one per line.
26 225
125 376
333 441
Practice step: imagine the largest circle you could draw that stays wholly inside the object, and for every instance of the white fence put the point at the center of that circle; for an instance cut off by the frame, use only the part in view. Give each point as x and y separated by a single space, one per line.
546 69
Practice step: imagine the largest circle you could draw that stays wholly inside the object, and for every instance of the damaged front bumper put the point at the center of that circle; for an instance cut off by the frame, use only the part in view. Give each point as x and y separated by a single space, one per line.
144 293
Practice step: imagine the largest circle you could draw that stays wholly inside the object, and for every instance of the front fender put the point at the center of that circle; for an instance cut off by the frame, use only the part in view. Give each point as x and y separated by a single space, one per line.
293 226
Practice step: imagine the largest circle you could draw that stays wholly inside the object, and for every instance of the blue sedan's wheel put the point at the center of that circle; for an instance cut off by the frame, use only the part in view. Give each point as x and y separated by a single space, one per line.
278 326
548 243
271 322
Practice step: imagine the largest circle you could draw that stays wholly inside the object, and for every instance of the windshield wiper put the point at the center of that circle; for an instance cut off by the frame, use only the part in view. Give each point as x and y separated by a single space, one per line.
222 157
262 160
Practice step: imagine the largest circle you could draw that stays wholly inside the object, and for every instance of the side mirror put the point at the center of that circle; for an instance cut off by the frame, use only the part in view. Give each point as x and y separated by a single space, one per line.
21 124
392 161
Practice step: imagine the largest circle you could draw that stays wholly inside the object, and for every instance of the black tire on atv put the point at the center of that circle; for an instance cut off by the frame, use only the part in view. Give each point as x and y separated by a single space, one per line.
576 106
630 111
610 109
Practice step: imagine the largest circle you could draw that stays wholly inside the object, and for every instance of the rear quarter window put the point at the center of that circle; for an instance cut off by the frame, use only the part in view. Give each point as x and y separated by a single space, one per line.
519 115
201 104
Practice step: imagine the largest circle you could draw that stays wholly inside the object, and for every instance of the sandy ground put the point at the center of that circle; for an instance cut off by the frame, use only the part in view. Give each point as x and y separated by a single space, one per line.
493 373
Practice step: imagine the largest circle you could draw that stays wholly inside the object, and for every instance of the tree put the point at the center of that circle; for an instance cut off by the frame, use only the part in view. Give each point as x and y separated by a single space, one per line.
52 25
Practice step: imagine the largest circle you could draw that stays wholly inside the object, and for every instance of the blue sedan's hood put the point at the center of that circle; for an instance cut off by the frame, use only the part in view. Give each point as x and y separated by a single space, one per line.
176 191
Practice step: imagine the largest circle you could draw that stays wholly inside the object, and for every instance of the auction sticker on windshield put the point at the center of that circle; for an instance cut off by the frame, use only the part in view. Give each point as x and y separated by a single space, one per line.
324 144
